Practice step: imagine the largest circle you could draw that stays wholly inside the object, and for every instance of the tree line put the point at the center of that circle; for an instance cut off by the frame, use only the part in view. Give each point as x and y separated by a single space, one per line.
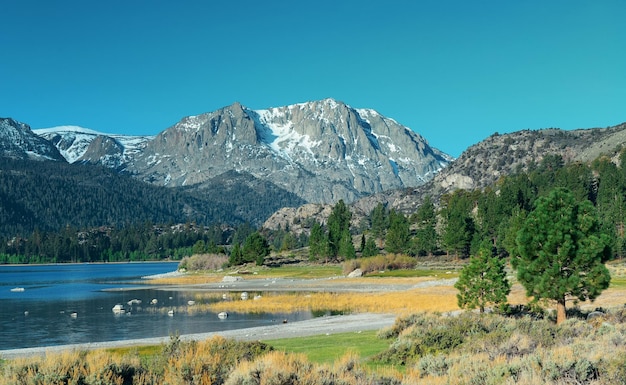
460 221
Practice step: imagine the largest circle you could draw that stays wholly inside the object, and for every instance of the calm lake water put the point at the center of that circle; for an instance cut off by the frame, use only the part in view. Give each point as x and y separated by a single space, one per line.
68 304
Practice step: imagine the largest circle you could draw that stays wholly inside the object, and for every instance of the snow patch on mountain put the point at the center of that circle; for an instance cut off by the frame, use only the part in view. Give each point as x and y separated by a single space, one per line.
17 140
73 142
282 138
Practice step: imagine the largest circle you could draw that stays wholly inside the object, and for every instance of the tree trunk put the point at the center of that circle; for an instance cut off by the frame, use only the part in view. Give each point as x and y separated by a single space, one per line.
560 311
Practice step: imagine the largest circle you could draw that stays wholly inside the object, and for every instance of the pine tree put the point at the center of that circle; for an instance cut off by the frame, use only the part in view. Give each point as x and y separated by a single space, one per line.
379 219
370 249
255 248
426 239
483 281
338 223
346 247
459 227
318 243
397 239
561 251
236 258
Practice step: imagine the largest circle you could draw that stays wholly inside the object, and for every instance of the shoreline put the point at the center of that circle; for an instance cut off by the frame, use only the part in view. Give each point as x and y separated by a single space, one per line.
327 325
85 263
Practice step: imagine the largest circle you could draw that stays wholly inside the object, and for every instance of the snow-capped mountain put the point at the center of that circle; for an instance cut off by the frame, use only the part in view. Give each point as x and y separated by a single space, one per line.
18 141
322 151
78 144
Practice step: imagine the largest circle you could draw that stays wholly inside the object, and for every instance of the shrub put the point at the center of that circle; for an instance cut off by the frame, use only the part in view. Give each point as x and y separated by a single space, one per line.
430 365
380 263
201 262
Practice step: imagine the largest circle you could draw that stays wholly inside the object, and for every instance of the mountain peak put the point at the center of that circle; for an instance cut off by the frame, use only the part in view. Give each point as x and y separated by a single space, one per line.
322 150
79 144
18 141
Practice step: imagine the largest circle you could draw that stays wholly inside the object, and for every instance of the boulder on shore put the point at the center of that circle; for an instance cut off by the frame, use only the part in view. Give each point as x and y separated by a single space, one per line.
230 278
356 273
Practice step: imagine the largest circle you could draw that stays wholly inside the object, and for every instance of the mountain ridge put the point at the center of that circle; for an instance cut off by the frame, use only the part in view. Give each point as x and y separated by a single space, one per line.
19 142
323 151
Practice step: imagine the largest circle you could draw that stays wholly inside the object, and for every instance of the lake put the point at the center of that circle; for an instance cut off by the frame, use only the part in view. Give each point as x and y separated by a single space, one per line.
69 304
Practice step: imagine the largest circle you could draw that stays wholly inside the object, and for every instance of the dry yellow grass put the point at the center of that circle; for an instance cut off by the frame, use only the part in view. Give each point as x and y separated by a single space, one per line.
434 299
187 279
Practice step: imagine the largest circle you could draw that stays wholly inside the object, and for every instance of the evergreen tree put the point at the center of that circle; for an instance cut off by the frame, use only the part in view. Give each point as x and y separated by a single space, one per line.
370 249
426 239
318 243
346 247
255 248
483 281
561 251
338 223
459 226
379 221
397 239
243 231
236 257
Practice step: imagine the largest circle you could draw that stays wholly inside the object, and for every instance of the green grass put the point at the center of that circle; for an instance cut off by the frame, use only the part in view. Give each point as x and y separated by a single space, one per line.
618 282
326 349
141 351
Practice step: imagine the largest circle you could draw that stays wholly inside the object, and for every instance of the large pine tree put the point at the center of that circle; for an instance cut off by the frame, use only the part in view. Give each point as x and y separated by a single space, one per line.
561 251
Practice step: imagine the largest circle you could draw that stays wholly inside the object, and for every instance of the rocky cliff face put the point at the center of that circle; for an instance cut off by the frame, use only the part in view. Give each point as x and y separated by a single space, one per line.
322 151
18 141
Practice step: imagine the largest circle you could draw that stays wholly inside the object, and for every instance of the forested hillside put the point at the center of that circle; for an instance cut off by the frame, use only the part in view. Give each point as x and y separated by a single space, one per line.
50 196
464 218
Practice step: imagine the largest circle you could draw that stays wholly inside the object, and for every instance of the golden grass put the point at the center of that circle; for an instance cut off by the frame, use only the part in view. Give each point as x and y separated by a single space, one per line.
187 279
434 299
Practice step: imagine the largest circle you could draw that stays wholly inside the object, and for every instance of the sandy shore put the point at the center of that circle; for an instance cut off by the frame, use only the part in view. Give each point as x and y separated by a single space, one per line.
317 326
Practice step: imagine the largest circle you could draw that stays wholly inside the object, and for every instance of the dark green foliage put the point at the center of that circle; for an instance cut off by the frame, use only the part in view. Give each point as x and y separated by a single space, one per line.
483 281
459 226
109 244
243 231
426 239
379 219
255 249
370 249
338 224
318 243
562 251
236 255
346 247
397 239
52 195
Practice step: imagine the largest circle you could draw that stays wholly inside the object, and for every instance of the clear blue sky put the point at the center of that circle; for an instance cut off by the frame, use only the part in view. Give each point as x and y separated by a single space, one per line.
453 71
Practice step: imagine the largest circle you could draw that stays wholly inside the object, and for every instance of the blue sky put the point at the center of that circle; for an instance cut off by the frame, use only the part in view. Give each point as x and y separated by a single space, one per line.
453 71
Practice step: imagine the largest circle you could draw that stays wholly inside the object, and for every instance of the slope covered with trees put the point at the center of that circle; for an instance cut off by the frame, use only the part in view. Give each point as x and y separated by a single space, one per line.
49 196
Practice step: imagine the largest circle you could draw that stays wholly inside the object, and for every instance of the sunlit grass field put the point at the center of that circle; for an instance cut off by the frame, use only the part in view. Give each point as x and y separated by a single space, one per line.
326 349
